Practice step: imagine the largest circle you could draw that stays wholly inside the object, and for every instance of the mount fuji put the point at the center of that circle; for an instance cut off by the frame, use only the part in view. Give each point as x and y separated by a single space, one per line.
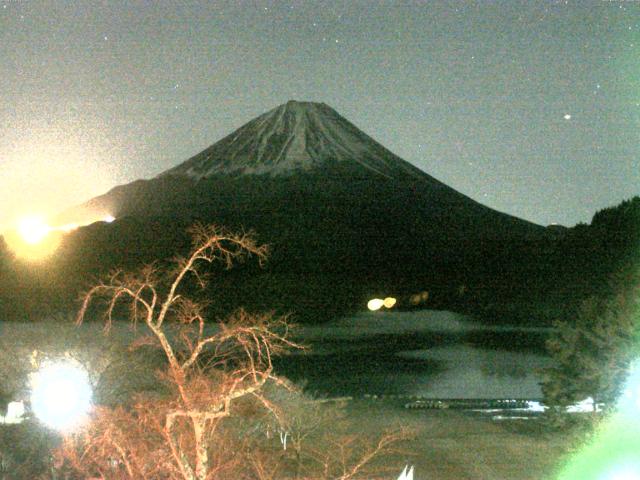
344 216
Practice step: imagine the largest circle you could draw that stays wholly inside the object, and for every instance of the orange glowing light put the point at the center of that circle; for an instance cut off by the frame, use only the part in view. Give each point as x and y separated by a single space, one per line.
33 229
389 302
33 239
69 227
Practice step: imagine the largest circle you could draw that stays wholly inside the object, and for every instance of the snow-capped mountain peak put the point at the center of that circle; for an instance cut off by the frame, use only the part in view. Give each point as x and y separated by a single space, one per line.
295 136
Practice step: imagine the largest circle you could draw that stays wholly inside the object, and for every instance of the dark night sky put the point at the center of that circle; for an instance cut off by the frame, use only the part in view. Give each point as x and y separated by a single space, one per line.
531 108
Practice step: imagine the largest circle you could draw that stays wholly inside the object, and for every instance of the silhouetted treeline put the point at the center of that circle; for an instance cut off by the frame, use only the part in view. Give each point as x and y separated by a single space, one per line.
327 260
594 253
574 264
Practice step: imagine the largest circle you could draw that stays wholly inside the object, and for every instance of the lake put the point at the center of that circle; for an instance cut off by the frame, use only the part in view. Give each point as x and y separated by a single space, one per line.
433 354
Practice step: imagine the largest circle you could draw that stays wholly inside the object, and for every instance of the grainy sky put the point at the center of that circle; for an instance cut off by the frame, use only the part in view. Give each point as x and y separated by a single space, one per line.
531 108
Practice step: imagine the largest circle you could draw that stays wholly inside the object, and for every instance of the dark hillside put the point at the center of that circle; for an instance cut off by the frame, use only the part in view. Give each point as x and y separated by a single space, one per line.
345 219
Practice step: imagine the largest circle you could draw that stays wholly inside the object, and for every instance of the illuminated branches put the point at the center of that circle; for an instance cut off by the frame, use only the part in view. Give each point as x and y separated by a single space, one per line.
220 388
239 355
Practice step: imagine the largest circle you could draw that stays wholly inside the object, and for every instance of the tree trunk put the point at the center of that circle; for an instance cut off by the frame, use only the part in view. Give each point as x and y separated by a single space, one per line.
202 456
298 463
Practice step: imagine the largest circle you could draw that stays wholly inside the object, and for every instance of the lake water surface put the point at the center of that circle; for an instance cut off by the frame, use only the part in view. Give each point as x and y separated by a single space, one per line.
433 354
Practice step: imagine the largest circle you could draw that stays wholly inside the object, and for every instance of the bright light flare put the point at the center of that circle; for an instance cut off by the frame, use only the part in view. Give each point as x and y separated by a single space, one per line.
375 304
33 229
69 227
630 400
33 239
612 454
61 394
624 472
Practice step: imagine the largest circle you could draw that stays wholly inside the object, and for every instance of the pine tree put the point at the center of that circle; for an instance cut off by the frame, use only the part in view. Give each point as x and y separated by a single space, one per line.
591 353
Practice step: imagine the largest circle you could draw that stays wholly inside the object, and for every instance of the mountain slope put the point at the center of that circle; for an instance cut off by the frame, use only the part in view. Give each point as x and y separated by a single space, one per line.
336 207
295 143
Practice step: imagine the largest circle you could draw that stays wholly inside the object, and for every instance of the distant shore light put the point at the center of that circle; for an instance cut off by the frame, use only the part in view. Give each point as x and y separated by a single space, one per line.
375 304
389 302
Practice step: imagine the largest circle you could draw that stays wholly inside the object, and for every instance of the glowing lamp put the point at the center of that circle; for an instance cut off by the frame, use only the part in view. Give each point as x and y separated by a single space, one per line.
61 395
389 302
375 304
33 229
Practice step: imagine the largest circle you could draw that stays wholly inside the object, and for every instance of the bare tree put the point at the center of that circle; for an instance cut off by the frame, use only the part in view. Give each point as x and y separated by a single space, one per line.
351 456
239 354
211 374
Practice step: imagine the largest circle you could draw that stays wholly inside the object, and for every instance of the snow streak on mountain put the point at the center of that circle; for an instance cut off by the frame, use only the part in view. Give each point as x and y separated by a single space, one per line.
296 136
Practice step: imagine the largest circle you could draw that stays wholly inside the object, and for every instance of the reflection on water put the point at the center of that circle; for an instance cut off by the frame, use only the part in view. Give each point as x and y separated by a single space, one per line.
473 372
430 354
